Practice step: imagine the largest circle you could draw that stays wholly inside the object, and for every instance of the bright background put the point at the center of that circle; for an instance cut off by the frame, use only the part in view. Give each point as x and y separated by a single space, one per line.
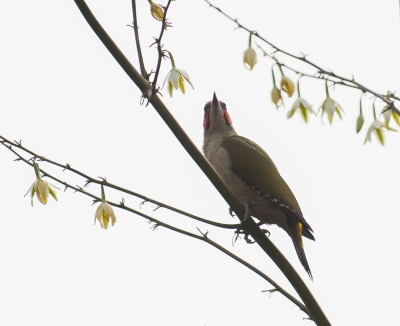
63 94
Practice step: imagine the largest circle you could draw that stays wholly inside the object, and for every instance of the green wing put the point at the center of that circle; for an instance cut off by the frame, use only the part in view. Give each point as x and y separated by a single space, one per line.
252 163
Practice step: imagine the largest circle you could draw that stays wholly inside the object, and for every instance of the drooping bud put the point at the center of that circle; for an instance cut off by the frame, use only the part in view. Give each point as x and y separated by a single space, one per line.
104 212
360 123
300 104
287 86
360 119
377 127
330 106
41 188
303 106
176 78
276 96
250 56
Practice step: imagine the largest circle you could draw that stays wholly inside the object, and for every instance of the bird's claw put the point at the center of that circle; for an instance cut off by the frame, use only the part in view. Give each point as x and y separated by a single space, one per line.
266 232
246 236
247 239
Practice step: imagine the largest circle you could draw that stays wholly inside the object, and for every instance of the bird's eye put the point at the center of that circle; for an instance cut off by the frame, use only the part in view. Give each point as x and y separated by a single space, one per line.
207 106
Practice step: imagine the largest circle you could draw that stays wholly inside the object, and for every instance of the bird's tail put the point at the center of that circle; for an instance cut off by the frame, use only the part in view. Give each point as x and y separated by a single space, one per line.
296 231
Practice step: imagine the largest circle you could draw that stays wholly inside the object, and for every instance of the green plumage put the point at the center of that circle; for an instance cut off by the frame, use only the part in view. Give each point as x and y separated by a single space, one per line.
250 161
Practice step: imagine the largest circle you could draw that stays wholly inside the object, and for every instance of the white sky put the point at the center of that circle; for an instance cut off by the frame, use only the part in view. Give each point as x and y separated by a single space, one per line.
64 95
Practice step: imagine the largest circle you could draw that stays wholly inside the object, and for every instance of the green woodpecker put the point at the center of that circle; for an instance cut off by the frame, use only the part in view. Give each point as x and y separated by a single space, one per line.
253 177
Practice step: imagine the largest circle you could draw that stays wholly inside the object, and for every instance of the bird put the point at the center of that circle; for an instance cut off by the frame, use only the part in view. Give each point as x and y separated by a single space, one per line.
253 178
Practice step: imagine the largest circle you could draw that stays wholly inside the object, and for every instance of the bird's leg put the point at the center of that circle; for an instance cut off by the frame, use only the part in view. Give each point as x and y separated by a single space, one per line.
247 212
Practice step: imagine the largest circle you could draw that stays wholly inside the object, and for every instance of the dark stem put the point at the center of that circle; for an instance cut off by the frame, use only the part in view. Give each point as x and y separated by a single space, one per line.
139 50
316 76
159 49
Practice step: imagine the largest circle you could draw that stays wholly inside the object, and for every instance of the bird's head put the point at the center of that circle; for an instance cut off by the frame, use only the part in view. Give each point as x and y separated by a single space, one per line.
216 118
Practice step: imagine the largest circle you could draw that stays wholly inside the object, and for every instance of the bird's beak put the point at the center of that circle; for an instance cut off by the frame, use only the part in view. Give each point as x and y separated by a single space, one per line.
215 102
215 108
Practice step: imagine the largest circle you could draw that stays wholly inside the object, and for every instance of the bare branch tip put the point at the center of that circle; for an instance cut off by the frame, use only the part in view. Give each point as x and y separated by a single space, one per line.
142 203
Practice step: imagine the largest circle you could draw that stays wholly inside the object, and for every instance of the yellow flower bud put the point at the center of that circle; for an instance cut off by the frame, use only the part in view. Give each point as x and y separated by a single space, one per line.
156 11
103 214
276 96
41 188
287 86
360 123
250 58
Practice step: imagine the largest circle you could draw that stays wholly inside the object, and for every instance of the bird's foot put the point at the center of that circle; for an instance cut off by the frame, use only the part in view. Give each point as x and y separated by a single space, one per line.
266 232
231 212
238 232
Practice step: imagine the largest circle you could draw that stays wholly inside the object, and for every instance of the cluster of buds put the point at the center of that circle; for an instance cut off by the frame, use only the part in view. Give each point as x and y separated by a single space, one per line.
289 88
42 189
286 85
329 106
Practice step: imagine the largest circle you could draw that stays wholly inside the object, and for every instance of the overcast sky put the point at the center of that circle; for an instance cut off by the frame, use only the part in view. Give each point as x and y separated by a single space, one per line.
64 95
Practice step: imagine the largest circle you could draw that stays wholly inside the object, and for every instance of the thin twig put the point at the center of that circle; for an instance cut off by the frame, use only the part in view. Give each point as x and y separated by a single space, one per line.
316 76
257 271
159 49
138 48
104 182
